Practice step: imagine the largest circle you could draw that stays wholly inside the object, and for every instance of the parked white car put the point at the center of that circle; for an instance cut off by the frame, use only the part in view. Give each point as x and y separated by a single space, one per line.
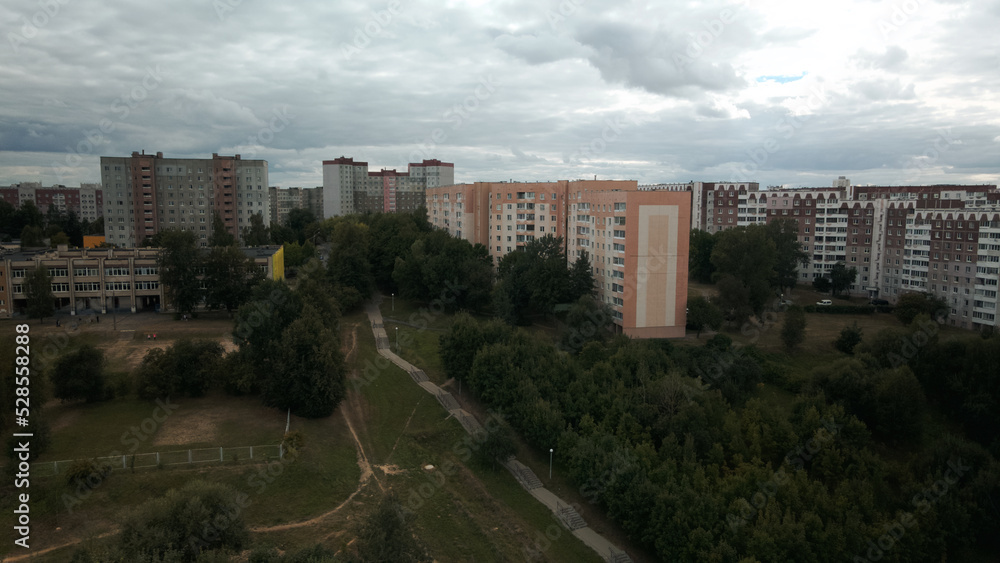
824 302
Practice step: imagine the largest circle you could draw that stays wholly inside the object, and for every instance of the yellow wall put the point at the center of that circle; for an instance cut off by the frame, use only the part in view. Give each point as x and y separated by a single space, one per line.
278 264
92 241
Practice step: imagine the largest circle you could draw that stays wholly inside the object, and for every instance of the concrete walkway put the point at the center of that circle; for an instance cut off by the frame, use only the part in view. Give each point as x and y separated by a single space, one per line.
565 512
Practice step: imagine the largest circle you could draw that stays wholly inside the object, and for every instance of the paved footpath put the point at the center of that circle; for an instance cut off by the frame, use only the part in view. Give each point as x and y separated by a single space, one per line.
565 512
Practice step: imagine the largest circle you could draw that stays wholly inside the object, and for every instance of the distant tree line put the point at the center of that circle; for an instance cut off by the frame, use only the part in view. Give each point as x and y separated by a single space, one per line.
671 443
32 227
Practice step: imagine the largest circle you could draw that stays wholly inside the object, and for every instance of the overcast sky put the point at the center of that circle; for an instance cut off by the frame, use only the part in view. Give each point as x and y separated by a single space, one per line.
794 93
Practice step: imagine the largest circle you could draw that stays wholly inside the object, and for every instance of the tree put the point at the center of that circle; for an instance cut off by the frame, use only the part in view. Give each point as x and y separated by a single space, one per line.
588 320
257 234
184 523
220 235
793 331
789 254
387 535
842 277
348 264
703 314
497 444
187 367
822 284
581 278
229 277
464 338
700 256
850 336
58 238
308 373
38 292
744 257
298 219
32 236
179 263
532 279
911 304
79 375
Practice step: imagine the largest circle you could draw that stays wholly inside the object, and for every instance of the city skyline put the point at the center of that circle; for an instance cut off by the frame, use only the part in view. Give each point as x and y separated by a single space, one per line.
773 92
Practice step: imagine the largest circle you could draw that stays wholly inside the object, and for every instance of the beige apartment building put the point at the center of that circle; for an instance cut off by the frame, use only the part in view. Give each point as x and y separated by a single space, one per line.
636 241
146 193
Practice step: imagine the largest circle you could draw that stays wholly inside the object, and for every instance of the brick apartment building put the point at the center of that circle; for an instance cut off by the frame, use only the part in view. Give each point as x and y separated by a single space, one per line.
637 242
145 193
86 201
348 186
284 200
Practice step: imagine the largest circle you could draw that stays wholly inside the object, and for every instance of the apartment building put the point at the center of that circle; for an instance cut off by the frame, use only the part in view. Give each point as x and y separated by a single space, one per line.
349 187
636 241
86 201
284 200
146 193
96 280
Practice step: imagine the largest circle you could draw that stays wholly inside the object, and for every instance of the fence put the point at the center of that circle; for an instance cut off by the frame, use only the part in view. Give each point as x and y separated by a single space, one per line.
175 457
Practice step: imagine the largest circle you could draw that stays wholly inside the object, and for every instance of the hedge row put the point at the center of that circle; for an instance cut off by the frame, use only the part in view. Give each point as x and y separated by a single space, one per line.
848 309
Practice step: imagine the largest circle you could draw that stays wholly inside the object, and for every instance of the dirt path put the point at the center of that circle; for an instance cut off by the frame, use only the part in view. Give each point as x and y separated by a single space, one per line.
352 409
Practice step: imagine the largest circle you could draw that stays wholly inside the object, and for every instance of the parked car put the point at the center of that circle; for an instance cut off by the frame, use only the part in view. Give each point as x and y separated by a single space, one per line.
824 302
878 302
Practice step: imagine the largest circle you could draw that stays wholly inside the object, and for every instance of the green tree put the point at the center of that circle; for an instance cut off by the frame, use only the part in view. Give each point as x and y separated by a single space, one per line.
913 303
822 284
58 238
703 314
32 236
793 330
257 233
298 220
745 259
179 263
464 338
308 373
497 444
588 320
789 254
37 289
532 279
700 257
347 264
841 277
229 277
184 523
387 535
188 367
850 336
79 375
220 235
581 278
900 406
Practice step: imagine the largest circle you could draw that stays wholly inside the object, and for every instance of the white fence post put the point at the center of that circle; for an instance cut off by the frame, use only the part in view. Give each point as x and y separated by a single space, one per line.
124 463
251 452
220 454
157 458
189 456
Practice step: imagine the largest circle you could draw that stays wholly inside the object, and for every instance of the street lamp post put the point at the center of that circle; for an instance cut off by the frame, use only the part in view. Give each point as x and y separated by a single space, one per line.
550 462
393 302
397 339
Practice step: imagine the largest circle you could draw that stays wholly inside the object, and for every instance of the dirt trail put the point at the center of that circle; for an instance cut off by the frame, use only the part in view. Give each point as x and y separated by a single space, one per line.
352 409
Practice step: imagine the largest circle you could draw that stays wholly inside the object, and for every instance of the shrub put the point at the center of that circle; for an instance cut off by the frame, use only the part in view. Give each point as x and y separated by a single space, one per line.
850 336
87 473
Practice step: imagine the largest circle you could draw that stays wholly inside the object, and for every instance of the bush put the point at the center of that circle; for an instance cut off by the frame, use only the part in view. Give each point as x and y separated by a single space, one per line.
87 473
850 336
79 375
198 518
793 331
